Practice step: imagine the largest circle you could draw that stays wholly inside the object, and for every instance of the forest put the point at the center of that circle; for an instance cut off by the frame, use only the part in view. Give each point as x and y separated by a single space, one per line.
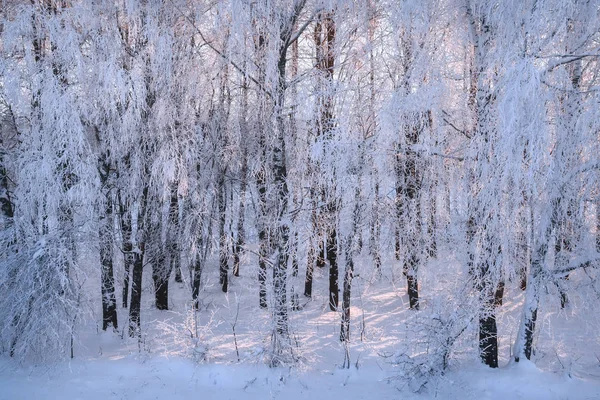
175 172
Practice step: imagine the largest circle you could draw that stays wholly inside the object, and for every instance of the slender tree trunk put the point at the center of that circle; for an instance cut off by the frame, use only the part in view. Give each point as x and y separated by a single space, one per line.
349 272
197 276
240 241
295 255
281 187
202 250
161 273
241 234
310 266
332 245
488 338
375 230
431 223
109 302
135 329
136 292
412 282
524 342
348 276
499 294
173 232
223 264
126 234
105 234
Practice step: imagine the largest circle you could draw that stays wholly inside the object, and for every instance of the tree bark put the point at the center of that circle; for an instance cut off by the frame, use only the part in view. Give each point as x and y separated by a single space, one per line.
109 302
240 240
173 232
310 266
105 234
161 272
333 270
136 293
223 264
126 234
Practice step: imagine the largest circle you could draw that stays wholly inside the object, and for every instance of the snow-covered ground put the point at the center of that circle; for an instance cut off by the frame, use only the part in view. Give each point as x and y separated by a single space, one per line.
176 378
185 355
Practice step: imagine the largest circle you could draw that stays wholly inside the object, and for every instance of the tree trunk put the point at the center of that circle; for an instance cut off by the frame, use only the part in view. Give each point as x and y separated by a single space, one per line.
488 339
524 342
431 225
126 233
375 231
523 346
161 272
240 241
262 269
295 255
332 247
173 232
109 302
136 292
348 275
223 264
499 294
105 234
412 283
196 279
310 266
598 226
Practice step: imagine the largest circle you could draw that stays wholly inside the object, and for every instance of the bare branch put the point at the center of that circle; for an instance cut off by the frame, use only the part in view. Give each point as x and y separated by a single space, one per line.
220 53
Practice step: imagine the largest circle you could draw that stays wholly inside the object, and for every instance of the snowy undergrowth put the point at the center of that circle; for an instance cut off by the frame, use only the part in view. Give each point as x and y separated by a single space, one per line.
393 350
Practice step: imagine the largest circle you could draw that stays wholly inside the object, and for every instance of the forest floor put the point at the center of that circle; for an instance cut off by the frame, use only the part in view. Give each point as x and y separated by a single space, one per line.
184 355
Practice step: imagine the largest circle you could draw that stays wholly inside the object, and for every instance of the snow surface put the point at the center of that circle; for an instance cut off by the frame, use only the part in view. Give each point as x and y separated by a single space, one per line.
176 378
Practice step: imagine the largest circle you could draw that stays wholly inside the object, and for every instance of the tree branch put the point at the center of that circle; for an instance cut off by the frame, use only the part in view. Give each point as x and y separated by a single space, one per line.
578 263
220 53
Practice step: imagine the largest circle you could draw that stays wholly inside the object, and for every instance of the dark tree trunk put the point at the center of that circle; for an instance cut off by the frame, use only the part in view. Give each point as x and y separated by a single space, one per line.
295 255
321 256
562 248
397 246
310 266
241 234
173 239
529 330
202 249
223 264
109 302
136 292
240 241
262 269
196 279
160 275
280 286
499 294
349 272
375 233
282 192
412 288
491 297
332 246
348 275
488 340
6 204
431 231
128 257
523 278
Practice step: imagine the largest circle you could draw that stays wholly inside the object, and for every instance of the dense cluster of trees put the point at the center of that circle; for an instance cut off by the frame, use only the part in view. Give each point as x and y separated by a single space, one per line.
172 130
